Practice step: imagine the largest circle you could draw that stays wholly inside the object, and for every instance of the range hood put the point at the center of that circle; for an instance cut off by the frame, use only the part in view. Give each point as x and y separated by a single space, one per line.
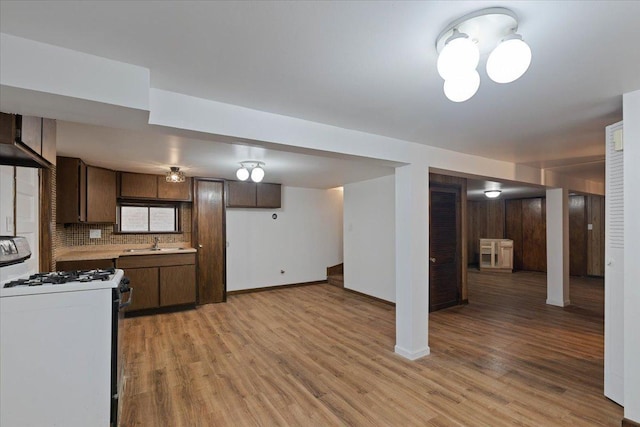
15 152
18 154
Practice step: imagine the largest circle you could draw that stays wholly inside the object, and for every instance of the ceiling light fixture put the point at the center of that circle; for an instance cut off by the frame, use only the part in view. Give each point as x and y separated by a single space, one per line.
490 31
256 173
174 175
492 194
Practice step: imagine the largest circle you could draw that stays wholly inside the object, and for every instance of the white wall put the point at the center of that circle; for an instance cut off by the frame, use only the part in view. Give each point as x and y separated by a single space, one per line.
369 237
631 118
304 240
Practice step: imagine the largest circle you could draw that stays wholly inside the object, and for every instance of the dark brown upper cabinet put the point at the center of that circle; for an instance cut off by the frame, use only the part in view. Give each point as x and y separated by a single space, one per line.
153 187
253 195
85 194
27 141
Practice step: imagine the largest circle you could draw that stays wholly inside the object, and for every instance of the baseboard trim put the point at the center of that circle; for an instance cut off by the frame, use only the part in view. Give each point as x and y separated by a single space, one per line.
559 303
628 423
384 301
412 355
274 287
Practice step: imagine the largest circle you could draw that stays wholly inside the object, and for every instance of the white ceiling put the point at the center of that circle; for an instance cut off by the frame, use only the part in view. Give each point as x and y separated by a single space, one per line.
370 66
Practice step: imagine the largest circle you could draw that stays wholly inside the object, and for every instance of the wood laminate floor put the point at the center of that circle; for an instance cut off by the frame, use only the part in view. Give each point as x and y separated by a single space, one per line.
321 356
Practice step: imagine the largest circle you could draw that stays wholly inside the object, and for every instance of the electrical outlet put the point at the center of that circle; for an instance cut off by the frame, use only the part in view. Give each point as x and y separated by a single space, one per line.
589 226
95 234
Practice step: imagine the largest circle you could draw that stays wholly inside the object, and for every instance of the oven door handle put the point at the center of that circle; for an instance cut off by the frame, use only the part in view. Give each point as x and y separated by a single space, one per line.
129 300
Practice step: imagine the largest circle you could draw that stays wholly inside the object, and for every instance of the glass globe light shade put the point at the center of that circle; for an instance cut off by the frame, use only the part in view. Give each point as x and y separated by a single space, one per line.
242 174
257 174
459 56
509 60
462 87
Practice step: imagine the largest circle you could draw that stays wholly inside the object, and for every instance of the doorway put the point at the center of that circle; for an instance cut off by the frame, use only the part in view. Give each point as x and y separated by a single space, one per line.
445 267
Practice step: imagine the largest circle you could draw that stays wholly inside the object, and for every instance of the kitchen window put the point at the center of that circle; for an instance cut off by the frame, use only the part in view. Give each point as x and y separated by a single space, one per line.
148 218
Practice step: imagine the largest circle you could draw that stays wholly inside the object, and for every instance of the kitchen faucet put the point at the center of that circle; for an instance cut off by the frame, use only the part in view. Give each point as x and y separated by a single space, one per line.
156 246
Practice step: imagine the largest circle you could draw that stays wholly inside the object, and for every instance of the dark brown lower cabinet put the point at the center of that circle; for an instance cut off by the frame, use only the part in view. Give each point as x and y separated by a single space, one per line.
160 280
144 282
210 240
177 285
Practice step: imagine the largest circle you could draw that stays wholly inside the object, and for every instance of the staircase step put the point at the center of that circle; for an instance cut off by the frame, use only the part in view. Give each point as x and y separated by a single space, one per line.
336 280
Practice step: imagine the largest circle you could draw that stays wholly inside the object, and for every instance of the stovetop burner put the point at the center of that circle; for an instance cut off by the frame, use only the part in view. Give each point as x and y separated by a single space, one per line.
60 277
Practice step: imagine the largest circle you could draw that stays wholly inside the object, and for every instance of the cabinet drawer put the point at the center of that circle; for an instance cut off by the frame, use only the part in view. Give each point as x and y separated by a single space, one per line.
138 261
89 264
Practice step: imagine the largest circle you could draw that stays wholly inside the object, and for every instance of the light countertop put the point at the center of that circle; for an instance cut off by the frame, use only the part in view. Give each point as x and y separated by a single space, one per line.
83 253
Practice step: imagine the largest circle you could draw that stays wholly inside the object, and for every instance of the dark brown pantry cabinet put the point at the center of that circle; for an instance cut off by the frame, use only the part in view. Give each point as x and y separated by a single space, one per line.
85 194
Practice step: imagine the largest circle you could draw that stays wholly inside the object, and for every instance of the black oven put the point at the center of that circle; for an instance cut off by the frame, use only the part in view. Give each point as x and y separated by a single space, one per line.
117 365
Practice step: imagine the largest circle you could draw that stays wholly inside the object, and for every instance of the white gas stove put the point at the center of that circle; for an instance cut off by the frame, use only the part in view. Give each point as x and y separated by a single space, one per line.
59 358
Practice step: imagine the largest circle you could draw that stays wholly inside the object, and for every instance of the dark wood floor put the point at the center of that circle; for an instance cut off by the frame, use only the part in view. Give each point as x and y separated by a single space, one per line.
320 356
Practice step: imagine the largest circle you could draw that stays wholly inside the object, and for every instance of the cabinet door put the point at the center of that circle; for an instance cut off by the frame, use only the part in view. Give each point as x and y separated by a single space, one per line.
506 257
31 133
174 190
49 140
241 194
101 195
268 195
177 285
70 190
138 185
144 282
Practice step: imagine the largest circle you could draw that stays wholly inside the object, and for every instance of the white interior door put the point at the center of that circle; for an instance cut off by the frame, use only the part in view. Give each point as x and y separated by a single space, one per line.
614 271
27 214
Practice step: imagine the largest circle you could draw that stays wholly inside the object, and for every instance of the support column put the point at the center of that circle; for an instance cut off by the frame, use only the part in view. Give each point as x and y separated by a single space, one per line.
412 254
558 247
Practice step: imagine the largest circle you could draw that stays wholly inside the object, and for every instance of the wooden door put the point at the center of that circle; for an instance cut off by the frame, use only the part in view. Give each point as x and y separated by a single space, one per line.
577 236
138 185
210 240
444 247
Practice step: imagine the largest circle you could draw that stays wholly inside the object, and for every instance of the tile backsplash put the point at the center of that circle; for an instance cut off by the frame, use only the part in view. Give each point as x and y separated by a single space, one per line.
78 234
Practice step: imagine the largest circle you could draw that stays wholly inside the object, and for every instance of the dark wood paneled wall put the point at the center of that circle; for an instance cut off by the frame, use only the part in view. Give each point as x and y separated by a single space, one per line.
595 237
486 220
524 222
534 234
577 236
513 230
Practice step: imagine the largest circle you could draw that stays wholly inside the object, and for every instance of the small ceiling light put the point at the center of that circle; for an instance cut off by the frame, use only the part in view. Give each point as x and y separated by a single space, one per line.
462 87
509 60
463 41
256 173
174 175
492 194
460 55
243 173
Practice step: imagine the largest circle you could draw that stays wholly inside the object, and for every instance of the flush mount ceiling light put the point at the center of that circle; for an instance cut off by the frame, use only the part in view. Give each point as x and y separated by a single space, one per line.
492 194
489 31
174 175
256 173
